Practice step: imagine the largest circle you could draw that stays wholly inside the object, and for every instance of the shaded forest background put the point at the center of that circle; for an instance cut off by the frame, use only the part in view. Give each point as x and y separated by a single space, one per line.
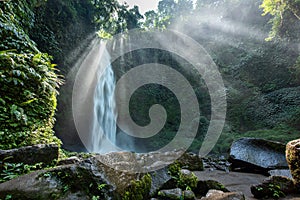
254 43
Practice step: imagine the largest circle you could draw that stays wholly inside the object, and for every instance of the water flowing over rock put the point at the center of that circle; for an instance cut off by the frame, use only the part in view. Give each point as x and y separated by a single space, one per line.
252 154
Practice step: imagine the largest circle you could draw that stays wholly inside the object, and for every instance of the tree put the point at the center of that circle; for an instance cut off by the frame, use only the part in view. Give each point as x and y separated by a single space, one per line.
168 12
285 13
151 19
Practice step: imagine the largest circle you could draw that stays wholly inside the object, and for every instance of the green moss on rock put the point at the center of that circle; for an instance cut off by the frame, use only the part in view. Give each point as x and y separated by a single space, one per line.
293 159
139 189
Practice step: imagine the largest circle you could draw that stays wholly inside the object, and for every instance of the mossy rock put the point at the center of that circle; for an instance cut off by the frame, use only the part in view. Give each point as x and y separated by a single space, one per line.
274 187
293 159
138 189
57 183
204 186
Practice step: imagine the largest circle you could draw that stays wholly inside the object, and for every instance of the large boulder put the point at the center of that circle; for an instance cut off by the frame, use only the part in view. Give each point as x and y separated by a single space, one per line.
250 154
88 178
63 182
293 159
117 175
31 155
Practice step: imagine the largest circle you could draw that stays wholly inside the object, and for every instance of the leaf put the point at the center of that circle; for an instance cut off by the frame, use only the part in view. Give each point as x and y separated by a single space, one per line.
29 101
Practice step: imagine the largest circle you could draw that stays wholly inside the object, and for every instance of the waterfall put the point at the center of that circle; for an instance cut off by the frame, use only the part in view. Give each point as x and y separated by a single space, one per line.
104 110
94 104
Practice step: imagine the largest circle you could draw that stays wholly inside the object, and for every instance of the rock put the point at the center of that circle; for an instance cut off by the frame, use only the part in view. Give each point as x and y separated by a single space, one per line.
189 195
68 161
281 172
220 195
31 155
213 192
89 177
175 194
160 180
139 162
220 164
63 182
204 186
191 162
274 187
293 159
250 154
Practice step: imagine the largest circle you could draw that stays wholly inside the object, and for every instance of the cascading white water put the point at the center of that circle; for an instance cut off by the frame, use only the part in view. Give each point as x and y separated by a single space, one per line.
104 111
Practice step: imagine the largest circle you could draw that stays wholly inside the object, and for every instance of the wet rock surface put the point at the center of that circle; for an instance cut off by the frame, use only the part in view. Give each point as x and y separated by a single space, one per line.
250 154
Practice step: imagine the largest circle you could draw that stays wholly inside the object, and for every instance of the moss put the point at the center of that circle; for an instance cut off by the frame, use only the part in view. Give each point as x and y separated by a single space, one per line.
139 189
187 182
183 181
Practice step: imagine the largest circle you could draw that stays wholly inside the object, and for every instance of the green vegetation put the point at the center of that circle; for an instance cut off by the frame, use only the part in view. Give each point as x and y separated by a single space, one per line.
183 181
254 43
9 171
139 189
28 82
284 12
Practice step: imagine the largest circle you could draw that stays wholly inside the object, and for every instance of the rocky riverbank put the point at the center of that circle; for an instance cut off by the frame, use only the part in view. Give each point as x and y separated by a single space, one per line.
127 175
